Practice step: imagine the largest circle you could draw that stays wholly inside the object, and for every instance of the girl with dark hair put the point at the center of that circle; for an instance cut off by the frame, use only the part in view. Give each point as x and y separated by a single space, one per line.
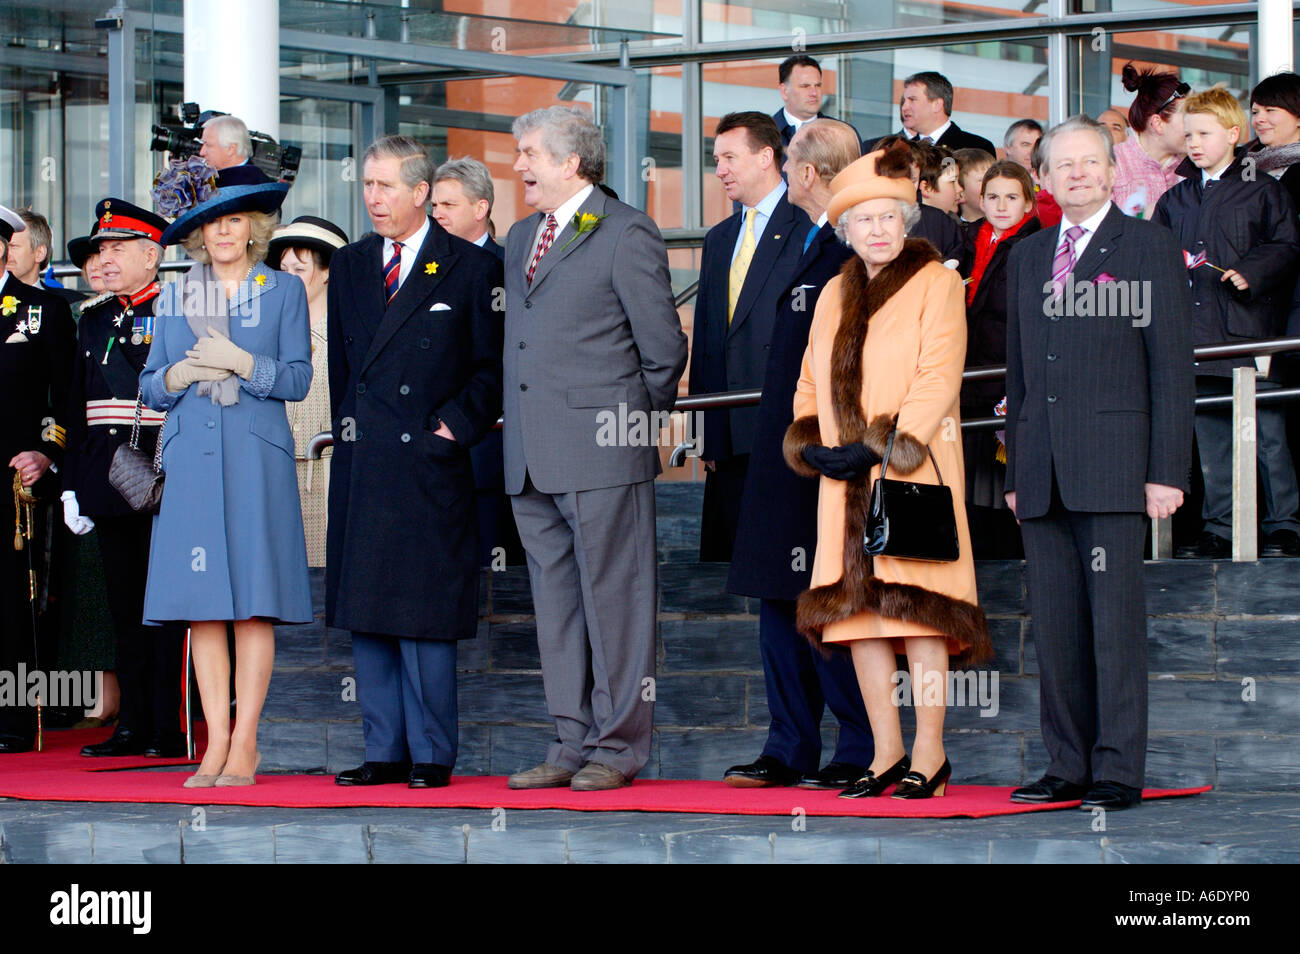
1146 160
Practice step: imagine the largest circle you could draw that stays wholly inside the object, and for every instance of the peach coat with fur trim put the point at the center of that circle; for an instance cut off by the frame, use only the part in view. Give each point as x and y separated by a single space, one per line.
882 349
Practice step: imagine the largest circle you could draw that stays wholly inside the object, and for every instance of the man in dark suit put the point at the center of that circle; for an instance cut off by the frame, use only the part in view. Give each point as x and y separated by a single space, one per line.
926 110
799 80
592 339
415 381
462 204
777 535
1099 433
746 263
37 338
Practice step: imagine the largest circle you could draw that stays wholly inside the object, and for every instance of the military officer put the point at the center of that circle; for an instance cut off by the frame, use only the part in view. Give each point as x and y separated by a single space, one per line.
36 341
113 340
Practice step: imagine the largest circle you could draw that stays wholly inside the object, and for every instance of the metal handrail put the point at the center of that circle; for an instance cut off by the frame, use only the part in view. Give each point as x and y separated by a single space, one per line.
750 397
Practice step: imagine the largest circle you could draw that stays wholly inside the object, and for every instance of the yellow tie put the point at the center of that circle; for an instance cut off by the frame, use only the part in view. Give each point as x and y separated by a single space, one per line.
740 267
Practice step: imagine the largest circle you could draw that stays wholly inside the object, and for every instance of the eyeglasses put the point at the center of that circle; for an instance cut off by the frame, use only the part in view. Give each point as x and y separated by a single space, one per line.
1181 90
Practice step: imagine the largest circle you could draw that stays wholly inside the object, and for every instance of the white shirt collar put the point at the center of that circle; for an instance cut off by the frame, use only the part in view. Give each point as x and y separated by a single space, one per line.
4 277
482 240
821 220
1089 225
565 212
791 120
1206 177
937 134
410 250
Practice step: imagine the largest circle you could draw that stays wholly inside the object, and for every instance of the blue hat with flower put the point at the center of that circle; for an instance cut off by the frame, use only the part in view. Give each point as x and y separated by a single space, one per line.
196 194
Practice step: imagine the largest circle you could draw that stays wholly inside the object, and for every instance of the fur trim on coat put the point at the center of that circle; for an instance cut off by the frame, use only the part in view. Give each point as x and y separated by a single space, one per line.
858 590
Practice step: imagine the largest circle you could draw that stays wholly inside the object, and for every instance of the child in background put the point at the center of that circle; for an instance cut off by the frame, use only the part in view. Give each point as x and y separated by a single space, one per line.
1243 228
971 166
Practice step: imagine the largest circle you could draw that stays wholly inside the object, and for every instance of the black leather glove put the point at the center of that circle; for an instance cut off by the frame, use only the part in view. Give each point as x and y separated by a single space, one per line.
841 463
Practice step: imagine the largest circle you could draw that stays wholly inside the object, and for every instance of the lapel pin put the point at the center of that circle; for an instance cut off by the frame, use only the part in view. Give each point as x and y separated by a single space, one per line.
431 268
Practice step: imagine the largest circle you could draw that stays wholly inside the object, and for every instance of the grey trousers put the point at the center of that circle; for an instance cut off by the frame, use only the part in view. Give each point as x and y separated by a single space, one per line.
593 569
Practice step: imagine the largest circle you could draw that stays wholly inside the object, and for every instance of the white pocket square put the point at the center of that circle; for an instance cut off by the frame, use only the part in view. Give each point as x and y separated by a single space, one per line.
440 306
16 337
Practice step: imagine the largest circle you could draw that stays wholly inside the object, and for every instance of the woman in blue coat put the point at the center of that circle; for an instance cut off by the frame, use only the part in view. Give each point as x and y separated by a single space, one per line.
231 346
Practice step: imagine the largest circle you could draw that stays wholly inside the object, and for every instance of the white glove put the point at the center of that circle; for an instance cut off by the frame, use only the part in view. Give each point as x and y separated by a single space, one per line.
184 373
72 514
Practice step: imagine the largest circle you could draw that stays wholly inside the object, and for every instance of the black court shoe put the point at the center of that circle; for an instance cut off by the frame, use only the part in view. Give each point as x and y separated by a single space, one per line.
915 785
872 785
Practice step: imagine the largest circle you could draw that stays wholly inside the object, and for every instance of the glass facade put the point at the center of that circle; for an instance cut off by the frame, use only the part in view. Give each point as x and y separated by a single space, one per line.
345 77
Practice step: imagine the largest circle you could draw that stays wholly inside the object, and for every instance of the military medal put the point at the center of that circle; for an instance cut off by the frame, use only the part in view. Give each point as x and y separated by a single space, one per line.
136 338
34 319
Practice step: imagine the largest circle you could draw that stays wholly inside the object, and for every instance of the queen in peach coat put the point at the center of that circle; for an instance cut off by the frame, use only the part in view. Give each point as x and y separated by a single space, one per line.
886 348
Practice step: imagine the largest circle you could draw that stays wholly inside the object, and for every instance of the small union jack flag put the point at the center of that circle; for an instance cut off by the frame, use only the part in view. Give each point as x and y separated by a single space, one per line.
1193 261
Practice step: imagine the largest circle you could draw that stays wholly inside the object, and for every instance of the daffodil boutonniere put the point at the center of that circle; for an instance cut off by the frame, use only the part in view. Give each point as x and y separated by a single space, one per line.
582 223
8 305
431 268
261 281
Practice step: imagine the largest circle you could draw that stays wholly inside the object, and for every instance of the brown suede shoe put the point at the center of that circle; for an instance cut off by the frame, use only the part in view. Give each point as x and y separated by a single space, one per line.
594 777
545 775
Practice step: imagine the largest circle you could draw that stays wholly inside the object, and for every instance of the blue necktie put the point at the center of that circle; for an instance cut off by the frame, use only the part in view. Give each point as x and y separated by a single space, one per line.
812 234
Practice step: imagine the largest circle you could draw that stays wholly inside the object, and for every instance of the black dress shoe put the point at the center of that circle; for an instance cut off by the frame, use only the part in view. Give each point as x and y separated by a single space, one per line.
871 785
834 775
167 745
375 773
1111 796
1280 543
1208 546
121 742
14 744
430 775
1049 788
916 785
761 773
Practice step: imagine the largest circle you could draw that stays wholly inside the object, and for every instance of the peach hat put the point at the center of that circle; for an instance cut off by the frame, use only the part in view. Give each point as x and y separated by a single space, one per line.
883 174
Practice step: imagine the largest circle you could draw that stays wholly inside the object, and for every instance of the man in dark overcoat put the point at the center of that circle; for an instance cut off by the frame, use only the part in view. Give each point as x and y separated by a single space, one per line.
777 534
415 381
1099 436
36 341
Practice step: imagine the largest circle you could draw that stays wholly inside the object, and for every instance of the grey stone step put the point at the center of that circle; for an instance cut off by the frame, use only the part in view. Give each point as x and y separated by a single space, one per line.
1214 828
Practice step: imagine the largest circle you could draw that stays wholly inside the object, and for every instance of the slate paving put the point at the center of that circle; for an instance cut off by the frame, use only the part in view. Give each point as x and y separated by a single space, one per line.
1214 828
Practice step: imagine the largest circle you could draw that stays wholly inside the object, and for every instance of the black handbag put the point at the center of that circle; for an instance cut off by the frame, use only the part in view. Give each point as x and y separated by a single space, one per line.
908 520
133 474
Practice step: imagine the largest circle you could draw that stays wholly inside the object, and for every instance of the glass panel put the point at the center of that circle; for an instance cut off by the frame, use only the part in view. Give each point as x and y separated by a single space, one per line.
1123 6
1201 56
763 19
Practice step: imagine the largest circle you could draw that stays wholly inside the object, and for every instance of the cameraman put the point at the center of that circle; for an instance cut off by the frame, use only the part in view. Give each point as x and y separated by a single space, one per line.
225 142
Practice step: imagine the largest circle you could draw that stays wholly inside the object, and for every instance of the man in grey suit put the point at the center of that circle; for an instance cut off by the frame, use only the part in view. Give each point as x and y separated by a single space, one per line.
1099 433
592 337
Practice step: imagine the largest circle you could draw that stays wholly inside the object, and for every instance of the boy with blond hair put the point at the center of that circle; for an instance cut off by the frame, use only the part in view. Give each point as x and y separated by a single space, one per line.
1238 230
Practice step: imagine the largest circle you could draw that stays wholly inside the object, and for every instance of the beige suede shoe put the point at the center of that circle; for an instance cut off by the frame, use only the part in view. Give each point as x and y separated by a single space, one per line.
545 775
595 777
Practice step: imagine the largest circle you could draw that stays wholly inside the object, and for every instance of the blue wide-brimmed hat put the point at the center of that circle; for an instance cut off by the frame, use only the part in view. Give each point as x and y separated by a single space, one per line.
243 188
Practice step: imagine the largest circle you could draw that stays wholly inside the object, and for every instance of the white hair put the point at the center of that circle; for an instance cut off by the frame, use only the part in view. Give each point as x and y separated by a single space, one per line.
910 211
231 131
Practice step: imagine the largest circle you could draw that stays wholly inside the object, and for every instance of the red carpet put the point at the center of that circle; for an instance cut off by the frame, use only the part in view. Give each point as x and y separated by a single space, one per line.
61 774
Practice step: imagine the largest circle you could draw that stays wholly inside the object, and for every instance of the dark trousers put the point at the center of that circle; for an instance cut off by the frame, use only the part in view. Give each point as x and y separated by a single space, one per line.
407 692
723 488
800 684
1277 476
17 642
148 657
1086 599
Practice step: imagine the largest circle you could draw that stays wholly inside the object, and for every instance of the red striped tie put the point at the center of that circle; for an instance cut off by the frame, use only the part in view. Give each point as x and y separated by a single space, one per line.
548 236
392 270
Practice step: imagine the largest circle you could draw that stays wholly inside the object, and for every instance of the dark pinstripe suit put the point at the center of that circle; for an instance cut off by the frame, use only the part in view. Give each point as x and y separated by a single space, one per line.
1097 407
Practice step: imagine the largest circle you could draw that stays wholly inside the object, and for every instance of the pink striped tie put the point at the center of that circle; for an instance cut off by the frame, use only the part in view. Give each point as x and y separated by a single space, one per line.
1064 260
392 270
543 245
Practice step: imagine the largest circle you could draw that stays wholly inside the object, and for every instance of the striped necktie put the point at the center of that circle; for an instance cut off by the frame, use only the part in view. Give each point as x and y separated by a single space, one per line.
392 271
1065 258
548 236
